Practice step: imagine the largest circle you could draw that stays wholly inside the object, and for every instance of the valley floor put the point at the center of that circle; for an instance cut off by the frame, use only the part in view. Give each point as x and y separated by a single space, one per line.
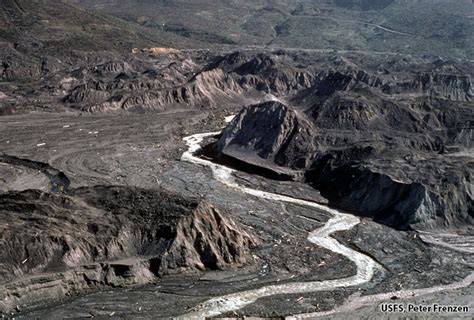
145 150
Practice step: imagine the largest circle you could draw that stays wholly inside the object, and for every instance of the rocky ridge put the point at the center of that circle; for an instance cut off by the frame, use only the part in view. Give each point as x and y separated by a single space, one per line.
386 153
109 236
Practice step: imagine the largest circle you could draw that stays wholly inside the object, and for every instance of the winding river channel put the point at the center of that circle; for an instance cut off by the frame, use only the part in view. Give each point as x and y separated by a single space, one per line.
366 266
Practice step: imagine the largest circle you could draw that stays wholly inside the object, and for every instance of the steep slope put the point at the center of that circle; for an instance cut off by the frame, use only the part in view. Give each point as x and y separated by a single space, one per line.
38 37
160 81
439 27
270 135
55 245
140 93
392 159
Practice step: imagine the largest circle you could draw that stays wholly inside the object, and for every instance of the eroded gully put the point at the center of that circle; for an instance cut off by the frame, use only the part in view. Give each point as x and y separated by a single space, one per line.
366 266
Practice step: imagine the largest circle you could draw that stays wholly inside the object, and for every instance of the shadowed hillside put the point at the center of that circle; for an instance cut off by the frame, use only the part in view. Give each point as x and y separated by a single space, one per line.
37 37
440 27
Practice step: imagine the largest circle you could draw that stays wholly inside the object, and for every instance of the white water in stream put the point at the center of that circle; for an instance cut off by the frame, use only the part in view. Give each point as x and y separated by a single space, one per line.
366 266
321 237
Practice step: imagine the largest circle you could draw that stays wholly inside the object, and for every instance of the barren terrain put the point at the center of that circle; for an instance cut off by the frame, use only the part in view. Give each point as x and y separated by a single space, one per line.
244 174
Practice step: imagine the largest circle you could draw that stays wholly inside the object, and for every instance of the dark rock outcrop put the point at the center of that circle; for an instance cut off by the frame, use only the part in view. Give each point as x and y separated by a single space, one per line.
207 239
270 134
400 204
54 245
372 156
453 87
58 181
138 93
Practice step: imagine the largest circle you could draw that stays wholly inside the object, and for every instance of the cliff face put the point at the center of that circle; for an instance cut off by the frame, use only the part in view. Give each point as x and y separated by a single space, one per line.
193 79
218 84
270 134
389 158
109 236
453 87
401 204
116 88
207 240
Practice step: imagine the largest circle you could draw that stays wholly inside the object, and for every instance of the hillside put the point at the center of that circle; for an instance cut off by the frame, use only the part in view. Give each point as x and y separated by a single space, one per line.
440 27
41 36
264 159
115 236
391 150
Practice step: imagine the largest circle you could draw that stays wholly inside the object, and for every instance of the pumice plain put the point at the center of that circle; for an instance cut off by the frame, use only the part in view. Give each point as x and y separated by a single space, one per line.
236 159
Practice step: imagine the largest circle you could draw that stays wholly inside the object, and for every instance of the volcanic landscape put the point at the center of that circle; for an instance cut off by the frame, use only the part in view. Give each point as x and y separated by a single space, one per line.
150 172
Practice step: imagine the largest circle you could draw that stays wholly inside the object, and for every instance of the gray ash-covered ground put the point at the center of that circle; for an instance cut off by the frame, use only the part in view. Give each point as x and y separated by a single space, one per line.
109 236
101 218
374 142
403 257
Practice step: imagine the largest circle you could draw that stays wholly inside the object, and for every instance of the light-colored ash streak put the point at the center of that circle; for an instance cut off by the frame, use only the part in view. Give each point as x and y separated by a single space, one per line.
366 266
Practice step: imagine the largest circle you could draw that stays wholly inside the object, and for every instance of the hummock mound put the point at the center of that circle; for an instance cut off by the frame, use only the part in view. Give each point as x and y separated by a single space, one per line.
375 157
207 239
56 245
